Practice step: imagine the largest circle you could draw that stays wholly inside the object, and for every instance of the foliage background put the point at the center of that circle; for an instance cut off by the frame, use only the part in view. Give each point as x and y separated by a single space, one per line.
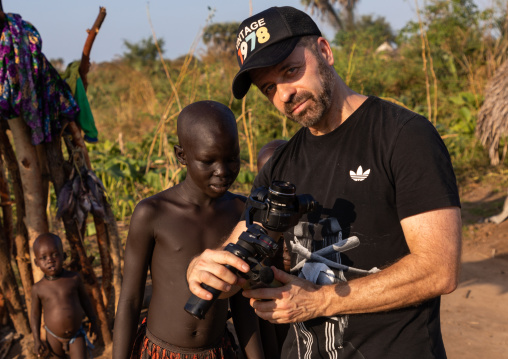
439 68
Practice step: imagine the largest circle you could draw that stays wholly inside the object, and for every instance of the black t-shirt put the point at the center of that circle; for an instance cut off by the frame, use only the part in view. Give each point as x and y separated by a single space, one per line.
384 163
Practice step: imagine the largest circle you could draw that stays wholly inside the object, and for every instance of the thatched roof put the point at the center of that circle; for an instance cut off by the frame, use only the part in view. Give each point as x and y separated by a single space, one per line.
492 124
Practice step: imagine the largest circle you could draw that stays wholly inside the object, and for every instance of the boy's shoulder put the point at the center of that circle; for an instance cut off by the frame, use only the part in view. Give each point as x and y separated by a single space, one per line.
231 196
151 205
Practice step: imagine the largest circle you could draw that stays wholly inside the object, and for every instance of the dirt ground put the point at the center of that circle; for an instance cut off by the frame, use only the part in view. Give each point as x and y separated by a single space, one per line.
475 316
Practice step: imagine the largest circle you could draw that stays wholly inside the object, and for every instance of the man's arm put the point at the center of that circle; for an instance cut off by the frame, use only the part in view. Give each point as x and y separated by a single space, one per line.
138 252
431 269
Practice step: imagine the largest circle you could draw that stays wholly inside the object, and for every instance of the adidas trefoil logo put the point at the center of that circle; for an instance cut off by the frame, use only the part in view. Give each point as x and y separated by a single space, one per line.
359 175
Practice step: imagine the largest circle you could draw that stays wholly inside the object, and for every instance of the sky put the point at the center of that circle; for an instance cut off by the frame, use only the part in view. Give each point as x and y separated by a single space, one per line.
62 24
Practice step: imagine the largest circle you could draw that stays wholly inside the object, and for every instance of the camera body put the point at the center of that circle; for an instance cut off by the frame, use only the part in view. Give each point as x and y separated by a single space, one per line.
277 208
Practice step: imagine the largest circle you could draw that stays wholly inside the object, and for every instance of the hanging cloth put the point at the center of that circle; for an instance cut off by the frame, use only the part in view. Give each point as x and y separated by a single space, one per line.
30 87
85 117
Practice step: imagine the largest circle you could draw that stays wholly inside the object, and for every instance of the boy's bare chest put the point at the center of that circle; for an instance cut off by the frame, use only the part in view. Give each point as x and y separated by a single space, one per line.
194 232
59 291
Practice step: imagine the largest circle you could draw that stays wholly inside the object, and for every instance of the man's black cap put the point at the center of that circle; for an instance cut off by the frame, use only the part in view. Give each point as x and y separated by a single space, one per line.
266 39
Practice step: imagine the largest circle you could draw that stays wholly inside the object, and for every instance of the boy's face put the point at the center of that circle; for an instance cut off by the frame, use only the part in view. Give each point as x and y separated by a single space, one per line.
49 257
213 162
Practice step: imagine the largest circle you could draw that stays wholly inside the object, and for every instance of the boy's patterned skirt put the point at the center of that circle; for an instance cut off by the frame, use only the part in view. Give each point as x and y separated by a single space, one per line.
146 346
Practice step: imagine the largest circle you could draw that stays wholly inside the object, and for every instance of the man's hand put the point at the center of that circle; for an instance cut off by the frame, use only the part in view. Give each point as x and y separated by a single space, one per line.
296 301
209 268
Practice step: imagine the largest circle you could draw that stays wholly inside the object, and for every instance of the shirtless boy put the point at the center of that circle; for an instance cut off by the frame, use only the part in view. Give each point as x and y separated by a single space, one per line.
167 230
62 296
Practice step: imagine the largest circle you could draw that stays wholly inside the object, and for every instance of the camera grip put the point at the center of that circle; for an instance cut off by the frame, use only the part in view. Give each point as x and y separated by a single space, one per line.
199 307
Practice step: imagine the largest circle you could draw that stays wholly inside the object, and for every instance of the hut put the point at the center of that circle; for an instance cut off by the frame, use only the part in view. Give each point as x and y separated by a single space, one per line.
492 124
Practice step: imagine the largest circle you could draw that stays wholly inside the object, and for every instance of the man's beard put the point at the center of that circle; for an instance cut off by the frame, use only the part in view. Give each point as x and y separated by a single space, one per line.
313 113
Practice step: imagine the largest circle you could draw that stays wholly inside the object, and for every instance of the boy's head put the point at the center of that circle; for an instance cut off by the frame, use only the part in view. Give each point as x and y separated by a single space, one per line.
208 146
49 255
267 151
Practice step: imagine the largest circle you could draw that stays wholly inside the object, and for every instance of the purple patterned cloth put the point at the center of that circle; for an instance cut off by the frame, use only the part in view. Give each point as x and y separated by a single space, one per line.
30 87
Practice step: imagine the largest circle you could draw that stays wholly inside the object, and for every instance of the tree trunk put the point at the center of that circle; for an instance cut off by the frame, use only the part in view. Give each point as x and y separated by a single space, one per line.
6 205
35 220
10 290
102 243
56 164
22 251
115 250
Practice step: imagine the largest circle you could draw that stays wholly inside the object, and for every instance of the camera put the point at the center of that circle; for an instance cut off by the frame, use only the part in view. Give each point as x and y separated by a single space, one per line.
278 209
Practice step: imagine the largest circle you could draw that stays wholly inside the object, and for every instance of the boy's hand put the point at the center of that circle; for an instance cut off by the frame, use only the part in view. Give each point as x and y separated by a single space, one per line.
93 331
39 348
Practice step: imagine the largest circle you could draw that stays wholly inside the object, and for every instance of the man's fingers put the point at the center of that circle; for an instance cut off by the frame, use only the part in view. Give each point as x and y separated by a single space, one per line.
263 293
282 276
210 268
271 293
229 258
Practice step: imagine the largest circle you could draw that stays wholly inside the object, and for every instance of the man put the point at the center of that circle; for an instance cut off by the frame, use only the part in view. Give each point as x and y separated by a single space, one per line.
381 174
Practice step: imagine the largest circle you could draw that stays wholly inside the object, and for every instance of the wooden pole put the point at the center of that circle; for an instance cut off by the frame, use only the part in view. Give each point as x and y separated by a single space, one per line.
6 206
106 231
10 290
85 57
22 251
33 191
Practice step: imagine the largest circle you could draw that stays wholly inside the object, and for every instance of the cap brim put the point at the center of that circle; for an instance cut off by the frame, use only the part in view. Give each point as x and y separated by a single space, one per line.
269 56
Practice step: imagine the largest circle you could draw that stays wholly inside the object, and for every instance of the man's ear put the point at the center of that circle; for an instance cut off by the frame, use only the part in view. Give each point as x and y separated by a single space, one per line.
325 50
180 155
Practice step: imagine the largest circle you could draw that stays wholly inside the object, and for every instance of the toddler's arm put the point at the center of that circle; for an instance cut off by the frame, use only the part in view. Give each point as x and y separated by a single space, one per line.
35 322
87 307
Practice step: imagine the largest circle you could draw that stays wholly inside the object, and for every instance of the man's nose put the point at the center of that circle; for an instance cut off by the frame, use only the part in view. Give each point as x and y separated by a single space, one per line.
285 92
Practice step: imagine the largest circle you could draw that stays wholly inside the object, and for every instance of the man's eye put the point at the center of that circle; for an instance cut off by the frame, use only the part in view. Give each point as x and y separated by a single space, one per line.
291 70
269 89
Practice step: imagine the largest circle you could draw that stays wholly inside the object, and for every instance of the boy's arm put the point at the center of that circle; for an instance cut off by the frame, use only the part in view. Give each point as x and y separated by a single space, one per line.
246 324
35 322
86 304
138 253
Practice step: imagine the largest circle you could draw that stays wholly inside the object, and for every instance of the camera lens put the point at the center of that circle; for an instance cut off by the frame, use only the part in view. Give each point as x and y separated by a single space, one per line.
282 188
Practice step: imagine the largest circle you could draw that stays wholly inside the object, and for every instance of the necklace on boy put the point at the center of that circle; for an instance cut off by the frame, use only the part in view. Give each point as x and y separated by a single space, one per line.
54 277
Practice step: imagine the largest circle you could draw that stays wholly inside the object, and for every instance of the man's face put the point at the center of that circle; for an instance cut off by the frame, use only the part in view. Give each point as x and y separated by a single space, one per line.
300 86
